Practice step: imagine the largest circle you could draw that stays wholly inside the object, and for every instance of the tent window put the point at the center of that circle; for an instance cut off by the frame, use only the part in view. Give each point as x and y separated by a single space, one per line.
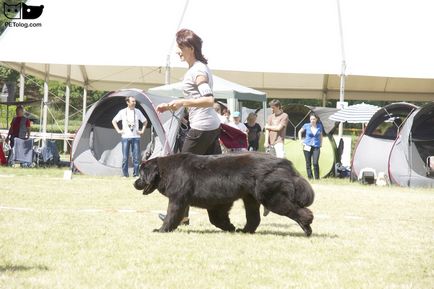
387 129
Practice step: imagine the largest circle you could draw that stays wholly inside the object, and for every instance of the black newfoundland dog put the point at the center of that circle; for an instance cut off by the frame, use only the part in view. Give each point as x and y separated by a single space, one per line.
215 182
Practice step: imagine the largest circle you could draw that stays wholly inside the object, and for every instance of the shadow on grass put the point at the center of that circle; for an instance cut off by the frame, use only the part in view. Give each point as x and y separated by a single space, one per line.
278 225
261 232
296 234
21 268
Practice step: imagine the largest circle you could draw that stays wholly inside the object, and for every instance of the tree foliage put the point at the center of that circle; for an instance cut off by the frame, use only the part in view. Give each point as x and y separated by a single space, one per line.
34 90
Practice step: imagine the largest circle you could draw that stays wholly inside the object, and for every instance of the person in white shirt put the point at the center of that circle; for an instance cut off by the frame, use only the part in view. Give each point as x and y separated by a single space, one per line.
236 123
130 117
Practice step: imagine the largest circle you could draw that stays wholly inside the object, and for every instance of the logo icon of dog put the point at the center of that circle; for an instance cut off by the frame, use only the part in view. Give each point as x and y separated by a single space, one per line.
22 11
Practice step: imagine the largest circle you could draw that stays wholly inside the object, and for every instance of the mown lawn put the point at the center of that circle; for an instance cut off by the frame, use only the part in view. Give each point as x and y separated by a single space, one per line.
97 233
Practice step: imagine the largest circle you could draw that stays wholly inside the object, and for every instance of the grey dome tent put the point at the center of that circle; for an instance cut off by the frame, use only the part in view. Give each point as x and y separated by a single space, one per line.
373 146
97 146
408 157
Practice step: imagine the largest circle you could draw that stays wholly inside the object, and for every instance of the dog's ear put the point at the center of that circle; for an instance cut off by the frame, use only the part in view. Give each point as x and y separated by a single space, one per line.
149 171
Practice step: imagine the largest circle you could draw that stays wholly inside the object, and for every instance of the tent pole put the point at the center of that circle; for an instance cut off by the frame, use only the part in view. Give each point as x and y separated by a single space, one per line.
264 108
343 67
341 96
67 95
231 104
84 100
167 74
22 82
324 99
45 108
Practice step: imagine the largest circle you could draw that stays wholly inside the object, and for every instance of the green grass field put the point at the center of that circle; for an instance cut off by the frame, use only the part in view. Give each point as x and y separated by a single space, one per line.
93 232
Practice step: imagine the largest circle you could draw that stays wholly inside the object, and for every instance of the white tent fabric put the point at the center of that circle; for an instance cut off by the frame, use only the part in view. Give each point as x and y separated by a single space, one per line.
288 49
282 36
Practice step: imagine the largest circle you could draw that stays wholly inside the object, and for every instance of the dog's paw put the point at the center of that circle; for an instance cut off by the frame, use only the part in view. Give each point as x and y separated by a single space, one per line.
307 230
160 230
245 231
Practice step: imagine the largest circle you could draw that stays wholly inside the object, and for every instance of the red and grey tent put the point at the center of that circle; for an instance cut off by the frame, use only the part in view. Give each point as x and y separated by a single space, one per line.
408 161
373 146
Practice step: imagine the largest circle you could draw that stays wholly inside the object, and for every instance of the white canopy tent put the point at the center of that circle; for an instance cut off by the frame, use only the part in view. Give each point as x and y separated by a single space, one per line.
246 35
284 48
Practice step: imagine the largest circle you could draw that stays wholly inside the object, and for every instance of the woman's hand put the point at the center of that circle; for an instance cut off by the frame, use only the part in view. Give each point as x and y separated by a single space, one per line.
175 104
162 107
172 106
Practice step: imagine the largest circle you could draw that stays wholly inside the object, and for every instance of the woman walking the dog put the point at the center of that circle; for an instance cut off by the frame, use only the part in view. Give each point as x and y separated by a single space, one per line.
202 138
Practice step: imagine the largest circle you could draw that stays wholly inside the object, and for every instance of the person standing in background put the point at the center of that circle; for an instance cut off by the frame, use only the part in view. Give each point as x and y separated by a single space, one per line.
275 129
20 128
312 144
217 107
130 117
254 133
236 123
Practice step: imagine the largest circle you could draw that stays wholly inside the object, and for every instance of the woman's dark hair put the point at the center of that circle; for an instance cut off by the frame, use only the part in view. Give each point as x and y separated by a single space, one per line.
187 38
314 115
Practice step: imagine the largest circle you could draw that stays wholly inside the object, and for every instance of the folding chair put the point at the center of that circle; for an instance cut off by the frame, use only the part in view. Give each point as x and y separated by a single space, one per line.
22 152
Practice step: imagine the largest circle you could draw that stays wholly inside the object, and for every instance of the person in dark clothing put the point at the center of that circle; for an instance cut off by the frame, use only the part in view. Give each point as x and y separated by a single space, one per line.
254 131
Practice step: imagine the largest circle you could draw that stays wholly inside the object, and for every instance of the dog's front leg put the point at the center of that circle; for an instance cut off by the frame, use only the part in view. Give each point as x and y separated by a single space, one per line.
175 213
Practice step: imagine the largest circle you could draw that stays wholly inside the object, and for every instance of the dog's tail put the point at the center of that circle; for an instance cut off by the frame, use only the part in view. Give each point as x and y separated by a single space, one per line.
304 192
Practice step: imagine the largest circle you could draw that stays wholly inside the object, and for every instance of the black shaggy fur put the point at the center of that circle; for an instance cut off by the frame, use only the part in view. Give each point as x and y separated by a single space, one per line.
215 182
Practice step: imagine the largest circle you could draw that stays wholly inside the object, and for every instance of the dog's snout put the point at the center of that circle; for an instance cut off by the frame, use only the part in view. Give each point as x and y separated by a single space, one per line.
139 184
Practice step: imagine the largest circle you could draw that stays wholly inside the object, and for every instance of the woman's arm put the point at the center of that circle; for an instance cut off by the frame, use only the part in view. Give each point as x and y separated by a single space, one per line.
204 101
300 133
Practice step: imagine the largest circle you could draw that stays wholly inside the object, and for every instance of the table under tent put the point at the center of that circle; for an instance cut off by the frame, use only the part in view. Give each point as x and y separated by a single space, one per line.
97 148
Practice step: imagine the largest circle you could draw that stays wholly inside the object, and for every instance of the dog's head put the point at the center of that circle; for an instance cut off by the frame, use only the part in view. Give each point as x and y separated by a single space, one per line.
149 177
